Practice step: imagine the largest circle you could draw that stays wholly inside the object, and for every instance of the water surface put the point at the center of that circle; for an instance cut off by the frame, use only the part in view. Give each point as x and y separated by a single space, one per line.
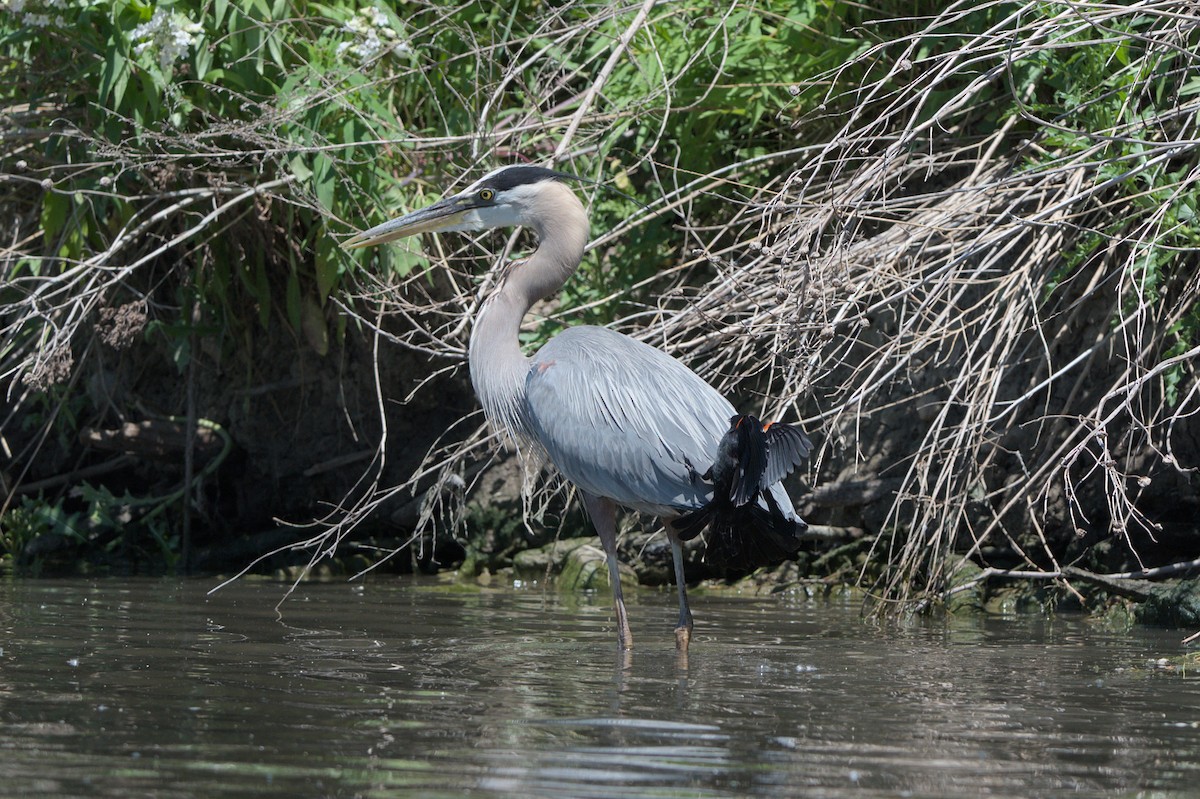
401 688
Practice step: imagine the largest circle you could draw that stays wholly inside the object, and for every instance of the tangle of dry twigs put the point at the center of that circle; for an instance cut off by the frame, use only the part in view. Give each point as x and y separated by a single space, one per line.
968 313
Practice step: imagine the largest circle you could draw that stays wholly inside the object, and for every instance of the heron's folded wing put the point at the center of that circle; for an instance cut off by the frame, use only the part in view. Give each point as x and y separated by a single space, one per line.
622 420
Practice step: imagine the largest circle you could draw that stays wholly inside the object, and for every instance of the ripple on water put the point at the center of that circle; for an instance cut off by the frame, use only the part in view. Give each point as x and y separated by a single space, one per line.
615 757
126 688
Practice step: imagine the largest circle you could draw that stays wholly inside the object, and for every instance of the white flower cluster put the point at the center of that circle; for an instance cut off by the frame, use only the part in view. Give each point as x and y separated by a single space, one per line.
34 14
372 36
168 33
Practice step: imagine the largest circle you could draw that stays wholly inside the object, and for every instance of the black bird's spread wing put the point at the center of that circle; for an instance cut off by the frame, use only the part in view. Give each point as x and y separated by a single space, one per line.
786 448
747 526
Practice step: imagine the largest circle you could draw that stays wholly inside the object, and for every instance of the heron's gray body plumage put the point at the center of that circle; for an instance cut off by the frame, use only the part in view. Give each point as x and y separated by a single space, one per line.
621 419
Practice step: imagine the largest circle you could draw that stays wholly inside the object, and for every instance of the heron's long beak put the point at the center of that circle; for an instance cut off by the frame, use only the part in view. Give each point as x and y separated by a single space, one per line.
441 215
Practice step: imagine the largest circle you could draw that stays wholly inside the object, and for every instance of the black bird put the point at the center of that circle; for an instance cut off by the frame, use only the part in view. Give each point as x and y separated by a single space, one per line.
747 527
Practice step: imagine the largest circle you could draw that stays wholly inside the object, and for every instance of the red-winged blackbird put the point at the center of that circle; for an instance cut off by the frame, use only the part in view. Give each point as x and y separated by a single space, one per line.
747 526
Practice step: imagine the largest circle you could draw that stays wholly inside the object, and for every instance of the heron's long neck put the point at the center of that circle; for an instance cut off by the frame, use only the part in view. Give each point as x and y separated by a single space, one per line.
498 367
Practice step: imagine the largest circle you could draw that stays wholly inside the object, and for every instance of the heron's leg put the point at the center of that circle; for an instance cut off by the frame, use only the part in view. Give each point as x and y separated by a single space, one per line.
683 633
603 513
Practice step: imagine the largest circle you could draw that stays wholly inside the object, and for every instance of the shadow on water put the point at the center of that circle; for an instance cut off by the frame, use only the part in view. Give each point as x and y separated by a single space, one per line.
140 688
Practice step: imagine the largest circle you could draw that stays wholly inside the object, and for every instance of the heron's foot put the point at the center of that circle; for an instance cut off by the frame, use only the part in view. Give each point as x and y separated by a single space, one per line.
683 637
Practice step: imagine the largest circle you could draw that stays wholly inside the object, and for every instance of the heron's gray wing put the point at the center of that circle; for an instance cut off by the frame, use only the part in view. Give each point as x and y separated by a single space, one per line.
786 447
623 420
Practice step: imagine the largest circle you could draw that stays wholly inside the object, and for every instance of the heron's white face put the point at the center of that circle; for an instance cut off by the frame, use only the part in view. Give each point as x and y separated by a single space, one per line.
504 197
487 207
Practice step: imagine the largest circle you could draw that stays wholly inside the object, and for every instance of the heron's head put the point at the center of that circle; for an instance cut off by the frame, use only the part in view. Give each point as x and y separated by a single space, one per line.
505 197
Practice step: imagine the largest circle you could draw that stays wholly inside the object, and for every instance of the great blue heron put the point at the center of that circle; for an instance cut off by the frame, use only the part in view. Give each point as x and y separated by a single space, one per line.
620 419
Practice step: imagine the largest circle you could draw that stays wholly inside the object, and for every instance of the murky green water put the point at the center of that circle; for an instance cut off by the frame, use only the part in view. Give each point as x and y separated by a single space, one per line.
151 688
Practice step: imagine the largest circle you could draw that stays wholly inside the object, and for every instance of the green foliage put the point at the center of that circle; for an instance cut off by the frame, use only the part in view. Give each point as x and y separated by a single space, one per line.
56 410
172 101
704 87
92 525
732 73
1108 103
1183 336
189 104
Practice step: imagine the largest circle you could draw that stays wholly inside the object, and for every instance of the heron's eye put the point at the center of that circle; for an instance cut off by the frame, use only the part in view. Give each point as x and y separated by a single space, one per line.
487 195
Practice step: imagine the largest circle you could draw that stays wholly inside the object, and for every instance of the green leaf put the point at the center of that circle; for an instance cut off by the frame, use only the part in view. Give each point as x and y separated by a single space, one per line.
178 337
1191 88
299 168
323 180
114 77
254 38
328 264
55 209
401 261
293 300
255 278
275 48
312 324
204 58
